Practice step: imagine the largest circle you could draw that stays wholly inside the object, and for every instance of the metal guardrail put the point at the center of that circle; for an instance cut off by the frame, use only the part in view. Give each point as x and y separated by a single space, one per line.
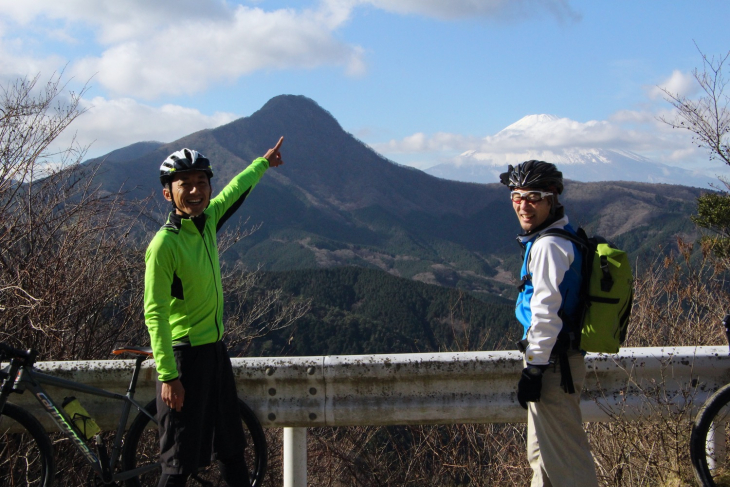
433 388
430 388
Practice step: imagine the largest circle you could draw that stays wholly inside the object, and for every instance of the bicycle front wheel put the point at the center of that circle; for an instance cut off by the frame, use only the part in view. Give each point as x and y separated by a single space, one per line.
26 453
142 446
709 440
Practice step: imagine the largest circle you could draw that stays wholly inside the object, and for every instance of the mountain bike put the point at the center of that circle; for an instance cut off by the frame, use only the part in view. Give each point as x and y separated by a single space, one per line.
709 439
26 451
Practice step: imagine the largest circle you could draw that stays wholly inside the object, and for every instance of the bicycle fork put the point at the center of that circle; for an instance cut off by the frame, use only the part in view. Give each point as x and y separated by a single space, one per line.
9 381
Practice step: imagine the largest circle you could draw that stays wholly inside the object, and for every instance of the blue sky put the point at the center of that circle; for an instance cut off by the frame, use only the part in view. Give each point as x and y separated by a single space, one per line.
421 81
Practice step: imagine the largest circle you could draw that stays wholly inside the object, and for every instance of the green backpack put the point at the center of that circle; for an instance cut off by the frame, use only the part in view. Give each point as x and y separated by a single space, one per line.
607 291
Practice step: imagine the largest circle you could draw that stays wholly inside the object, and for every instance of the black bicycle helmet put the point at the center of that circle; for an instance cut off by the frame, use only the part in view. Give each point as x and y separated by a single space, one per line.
533 174
182 161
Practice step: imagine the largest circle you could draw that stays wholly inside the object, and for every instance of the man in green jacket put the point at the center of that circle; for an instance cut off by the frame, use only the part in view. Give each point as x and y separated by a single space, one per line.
183 304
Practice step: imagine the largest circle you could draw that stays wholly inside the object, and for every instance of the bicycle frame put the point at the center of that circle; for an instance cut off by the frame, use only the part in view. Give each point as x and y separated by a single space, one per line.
29 379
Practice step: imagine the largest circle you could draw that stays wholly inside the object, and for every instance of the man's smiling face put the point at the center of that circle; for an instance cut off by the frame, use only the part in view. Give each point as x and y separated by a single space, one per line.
190 191
531 214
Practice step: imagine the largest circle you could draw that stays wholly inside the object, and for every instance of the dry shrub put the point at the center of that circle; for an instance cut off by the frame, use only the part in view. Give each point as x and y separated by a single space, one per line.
680 300
449 456
253 312
69 273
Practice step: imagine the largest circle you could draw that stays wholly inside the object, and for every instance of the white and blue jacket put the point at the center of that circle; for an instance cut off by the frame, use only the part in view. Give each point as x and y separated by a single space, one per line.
551 277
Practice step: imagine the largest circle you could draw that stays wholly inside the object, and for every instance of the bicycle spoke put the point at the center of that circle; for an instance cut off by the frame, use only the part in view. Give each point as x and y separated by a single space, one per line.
716 447
22 461
710 440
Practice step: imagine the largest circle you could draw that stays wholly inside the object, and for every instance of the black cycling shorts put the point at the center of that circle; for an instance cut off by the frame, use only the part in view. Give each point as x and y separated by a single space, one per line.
208 426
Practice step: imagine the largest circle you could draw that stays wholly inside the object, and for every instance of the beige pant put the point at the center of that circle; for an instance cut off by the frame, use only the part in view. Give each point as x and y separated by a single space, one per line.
557 445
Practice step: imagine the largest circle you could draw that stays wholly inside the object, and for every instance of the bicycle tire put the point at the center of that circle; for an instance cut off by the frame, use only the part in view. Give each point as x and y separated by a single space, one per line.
141 446
708 453
26 457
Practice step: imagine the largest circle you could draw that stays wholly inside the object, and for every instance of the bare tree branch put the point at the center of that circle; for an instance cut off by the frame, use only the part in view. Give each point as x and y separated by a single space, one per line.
707 117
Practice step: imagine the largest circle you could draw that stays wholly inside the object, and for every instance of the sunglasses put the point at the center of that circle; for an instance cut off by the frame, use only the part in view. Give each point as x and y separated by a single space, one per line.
529 196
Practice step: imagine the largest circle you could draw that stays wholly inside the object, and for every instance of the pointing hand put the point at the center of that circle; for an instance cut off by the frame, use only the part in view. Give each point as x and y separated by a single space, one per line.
274 156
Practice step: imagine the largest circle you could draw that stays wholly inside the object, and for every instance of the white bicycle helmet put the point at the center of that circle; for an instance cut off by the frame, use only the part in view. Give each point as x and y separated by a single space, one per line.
183 161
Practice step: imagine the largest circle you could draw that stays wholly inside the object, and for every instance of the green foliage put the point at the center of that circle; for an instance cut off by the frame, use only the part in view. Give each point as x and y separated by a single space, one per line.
461 258
647 241
713 213
719 246
367 311
281 255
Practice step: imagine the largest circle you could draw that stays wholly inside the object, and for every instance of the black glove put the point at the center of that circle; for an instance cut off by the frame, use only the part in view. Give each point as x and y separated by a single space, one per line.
530 385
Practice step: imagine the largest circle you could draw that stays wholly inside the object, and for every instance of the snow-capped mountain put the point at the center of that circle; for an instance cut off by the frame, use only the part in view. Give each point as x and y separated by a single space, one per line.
549 138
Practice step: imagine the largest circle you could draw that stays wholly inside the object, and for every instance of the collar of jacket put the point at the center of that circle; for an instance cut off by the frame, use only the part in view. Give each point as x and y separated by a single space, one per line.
175 221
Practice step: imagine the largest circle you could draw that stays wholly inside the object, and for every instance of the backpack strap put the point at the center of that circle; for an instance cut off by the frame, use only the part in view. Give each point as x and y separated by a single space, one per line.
580 239
566 376
606 279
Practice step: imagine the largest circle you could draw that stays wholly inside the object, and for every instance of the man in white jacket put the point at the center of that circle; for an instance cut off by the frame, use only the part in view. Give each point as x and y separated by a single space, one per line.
548 308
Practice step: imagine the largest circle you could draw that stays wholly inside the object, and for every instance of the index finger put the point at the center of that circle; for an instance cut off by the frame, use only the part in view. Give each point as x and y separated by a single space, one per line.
278 144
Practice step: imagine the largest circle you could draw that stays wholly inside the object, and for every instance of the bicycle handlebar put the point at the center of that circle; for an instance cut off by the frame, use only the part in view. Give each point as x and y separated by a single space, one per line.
8 352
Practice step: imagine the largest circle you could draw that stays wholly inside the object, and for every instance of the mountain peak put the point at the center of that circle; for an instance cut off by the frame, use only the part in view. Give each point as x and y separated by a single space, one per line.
289 101
298 106
531 121
287 115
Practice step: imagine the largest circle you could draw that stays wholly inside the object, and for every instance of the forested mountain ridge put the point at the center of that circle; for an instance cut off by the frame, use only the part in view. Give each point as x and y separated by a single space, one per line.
366 311
336 202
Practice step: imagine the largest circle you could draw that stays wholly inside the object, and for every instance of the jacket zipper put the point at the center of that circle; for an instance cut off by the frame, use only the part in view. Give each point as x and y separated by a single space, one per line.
212 268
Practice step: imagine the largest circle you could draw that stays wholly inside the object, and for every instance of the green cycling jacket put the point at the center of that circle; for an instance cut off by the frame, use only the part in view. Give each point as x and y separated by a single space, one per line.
183 294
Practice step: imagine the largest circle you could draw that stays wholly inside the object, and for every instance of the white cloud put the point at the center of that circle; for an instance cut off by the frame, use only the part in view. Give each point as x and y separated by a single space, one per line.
15 65
112 124
549 132
683 154
551 138
174 47
679 84
632 117
420 142
115 20
187 57
638 132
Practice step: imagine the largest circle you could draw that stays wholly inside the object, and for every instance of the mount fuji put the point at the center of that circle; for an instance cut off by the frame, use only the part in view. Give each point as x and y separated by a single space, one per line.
538 137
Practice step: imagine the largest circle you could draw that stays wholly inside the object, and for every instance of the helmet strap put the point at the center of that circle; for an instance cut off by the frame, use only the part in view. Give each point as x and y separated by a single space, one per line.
557 211
175 209
179 211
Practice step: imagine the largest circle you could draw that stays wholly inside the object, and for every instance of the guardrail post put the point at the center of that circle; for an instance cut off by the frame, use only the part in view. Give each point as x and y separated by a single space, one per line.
295 457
